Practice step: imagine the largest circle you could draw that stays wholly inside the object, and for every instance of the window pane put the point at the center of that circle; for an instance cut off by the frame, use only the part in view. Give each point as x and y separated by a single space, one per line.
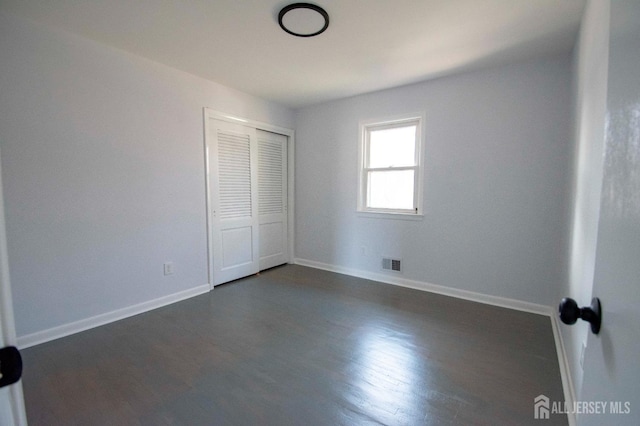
393 147
391 189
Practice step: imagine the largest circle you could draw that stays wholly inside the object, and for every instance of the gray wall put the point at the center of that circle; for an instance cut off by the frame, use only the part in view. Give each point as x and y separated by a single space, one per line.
103 170
497 158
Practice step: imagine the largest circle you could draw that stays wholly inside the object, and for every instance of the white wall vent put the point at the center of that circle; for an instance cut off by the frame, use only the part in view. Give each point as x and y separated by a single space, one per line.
389 264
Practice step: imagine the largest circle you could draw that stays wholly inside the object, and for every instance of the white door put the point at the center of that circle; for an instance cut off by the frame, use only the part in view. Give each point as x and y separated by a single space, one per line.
233 159
272 199
611 372
11 399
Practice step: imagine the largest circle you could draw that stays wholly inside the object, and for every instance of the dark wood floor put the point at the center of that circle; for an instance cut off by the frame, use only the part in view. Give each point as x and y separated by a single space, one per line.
298 346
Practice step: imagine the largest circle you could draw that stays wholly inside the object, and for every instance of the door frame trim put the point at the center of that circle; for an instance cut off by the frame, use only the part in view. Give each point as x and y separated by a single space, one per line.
8 337
209 113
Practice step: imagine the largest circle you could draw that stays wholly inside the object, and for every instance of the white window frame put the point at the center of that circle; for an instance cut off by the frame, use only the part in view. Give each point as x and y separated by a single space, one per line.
363 154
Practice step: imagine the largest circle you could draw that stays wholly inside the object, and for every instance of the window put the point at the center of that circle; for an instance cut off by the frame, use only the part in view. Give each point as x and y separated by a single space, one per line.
390 171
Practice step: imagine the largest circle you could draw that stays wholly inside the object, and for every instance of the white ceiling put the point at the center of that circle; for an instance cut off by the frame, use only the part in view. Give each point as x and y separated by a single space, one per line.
369 45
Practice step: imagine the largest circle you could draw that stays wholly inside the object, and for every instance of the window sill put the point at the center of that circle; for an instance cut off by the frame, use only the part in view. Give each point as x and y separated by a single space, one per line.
395 216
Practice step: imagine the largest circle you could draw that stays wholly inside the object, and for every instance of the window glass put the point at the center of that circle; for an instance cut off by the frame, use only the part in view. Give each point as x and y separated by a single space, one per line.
391 189
393 147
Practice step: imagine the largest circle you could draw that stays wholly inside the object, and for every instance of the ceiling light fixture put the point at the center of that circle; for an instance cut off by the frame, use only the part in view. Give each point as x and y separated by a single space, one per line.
303 19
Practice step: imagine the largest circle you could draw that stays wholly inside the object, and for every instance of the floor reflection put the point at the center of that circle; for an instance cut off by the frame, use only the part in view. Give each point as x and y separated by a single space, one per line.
389 372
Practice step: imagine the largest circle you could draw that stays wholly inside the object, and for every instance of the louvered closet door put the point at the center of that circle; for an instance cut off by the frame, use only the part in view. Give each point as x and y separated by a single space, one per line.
234 197
272 198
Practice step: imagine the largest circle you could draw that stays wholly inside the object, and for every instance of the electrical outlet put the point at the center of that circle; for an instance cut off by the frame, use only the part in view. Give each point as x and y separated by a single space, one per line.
582 351
168 268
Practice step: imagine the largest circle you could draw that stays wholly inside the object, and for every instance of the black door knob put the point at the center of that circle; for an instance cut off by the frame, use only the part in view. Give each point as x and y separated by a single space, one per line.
10 366
570 312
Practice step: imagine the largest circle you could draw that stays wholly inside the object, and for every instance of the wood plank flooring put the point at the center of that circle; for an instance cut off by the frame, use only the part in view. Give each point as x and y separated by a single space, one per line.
299 346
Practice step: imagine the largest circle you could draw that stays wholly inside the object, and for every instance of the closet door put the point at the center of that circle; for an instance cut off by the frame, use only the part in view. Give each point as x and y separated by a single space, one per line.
272 199
234 163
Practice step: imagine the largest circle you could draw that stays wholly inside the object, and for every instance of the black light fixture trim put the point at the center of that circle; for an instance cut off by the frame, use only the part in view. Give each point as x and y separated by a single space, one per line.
313 7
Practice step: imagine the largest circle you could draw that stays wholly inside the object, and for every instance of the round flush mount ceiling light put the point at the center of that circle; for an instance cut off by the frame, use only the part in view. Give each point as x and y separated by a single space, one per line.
303 19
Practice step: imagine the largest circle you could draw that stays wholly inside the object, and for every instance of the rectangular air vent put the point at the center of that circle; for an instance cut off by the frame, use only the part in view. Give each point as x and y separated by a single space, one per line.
389 264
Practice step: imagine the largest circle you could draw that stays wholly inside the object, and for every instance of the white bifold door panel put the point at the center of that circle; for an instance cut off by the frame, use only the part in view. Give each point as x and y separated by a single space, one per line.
234 199
272 198
248 194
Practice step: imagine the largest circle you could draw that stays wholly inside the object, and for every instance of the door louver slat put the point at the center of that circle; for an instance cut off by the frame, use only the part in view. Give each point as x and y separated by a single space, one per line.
270 197
235 175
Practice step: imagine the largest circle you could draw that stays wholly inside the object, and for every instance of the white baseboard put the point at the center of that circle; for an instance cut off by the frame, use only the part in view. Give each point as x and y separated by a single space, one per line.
106 318
503 302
